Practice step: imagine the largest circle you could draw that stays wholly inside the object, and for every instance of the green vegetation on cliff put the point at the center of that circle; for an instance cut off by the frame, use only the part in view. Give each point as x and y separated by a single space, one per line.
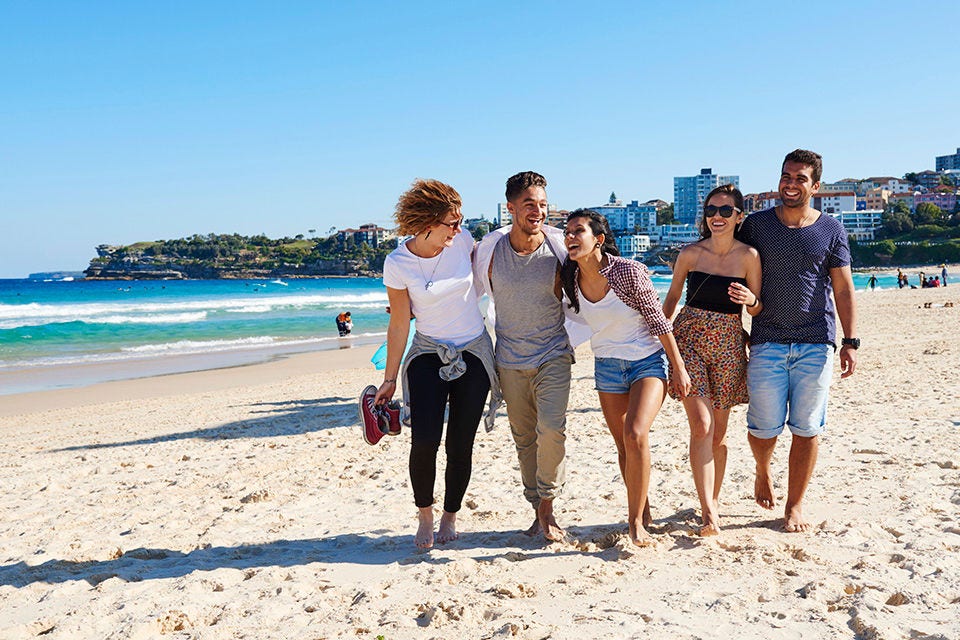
236 256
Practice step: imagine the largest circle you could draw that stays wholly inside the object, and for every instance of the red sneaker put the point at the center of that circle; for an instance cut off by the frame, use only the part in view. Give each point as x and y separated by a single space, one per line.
370 416
390 417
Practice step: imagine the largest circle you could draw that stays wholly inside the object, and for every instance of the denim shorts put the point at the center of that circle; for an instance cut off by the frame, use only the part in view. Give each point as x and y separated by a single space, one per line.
788 385
614 375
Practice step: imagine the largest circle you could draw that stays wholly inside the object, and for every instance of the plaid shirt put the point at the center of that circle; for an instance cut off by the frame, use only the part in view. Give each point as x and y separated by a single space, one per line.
631 283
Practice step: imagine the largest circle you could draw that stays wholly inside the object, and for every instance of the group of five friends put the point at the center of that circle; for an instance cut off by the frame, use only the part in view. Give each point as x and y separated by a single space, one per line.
789 266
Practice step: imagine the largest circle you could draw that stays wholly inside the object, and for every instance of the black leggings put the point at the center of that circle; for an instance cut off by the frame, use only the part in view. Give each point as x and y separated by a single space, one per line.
429 394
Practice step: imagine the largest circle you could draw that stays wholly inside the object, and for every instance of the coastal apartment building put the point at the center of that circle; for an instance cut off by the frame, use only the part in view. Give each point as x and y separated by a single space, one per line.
946 200
847 184
949 162
690 191
834 202
760 201
629 218
370 234
877 198
633 246
860 225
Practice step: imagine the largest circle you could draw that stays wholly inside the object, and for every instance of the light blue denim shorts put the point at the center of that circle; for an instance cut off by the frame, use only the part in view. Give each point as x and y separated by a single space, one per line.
788 385
614 375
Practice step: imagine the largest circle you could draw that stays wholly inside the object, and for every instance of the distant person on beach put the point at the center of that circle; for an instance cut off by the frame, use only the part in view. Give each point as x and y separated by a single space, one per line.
872 281
344 324
722 276
943 274
518 267
450 363
632 343
805 255
900 281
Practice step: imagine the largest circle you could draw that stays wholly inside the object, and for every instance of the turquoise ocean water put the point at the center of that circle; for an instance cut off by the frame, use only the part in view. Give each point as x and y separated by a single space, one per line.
80 328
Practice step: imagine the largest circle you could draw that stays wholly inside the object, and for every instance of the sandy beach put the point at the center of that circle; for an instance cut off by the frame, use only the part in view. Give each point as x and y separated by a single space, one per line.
243 503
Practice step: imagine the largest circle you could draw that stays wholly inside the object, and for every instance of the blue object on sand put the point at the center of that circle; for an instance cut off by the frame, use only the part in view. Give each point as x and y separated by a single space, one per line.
379 358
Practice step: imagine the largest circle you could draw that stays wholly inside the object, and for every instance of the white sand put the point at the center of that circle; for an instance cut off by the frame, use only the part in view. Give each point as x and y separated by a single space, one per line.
243 503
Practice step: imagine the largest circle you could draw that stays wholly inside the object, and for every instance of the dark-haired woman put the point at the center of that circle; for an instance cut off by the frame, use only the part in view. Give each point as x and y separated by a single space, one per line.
722 275
632 343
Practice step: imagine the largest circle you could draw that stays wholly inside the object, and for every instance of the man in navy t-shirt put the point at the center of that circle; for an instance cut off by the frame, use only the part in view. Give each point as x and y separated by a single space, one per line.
805 255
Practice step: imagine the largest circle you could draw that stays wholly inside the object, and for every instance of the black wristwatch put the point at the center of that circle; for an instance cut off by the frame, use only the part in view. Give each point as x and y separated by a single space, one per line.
851 342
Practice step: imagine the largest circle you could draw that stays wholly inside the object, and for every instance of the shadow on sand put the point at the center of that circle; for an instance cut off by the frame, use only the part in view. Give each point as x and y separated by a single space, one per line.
294 417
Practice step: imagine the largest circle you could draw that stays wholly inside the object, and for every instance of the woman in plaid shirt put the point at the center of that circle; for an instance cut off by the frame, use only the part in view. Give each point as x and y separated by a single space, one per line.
632 342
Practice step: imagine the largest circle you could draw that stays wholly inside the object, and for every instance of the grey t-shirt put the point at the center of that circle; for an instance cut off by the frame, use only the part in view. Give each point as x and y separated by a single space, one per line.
529 323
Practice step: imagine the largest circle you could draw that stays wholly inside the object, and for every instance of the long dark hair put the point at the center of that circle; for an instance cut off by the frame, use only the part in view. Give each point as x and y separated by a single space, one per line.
568 272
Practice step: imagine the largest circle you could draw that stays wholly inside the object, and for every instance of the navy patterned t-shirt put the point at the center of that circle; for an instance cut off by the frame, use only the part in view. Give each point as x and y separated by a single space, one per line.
796 287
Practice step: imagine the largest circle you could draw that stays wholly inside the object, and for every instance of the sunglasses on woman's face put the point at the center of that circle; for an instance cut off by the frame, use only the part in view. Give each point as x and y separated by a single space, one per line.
724 212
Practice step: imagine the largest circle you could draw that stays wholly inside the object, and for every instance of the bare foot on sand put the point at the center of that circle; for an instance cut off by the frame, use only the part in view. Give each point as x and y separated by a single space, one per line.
548 524
640 537
534 529
763 488
424 537
447 531
647 518
710 524
793 521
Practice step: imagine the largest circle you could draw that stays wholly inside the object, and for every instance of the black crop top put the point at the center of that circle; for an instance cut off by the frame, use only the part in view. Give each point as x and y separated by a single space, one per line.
709 292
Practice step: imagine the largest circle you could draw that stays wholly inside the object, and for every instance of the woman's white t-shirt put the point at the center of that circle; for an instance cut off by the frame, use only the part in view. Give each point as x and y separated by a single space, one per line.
618 330
447 310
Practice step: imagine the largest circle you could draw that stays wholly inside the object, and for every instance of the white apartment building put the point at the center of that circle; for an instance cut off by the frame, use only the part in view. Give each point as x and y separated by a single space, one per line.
633 246
672 235
835 202
860 225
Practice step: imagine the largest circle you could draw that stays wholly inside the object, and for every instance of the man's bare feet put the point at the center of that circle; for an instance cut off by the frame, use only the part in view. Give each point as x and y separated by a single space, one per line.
548 524
534 529
424 537
793 521
640 537
763 488
447 531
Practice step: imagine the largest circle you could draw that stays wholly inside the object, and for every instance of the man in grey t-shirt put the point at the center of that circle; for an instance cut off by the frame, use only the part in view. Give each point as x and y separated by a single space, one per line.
518 269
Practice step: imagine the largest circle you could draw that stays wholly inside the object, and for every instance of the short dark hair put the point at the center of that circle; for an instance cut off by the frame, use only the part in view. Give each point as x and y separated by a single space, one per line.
737 202
518 183
810 158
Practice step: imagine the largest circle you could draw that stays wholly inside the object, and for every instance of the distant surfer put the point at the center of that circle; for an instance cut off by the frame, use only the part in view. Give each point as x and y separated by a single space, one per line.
344 324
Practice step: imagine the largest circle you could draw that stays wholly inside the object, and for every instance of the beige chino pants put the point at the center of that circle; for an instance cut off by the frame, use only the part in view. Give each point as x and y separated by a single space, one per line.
537 409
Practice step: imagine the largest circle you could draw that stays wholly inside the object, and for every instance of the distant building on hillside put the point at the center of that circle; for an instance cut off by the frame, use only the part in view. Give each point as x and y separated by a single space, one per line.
860 225
847 184
944 199
760 201
929 180
370 234
834 202
633 246
877 198
674 235
503 217
907 198
690 191
630 218
949 162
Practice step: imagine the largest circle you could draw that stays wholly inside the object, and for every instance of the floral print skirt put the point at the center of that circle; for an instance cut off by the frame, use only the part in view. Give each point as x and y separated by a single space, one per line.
713 348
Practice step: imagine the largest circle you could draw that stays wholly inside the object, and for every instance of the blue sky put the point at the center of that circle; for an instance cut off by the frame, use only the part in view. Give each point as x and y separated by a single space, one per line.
129 121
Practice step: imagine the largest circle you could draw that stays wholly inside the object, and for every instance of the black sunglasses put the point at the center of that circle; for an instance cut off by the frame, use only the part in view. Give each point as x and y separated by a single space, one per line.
725 211
453 225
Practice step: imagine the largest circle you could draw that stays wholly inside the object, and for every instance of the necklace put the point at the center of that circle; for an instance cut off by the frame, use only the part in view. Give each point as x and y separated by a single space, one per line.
428 282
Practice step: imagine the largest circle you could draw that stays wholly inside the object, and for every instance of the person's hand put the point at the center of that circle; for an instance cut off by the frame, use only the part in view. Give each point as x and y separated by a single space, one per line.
680 382
848 361
385 392
740 294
